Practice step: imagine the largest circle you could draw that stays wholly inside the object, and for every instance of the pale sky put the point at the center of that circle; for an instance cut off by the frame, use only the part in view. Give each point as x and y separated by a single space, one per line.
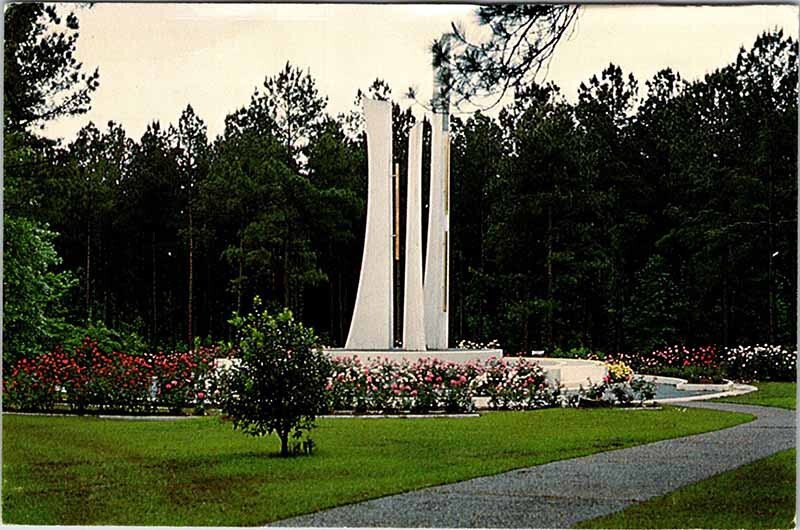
154 59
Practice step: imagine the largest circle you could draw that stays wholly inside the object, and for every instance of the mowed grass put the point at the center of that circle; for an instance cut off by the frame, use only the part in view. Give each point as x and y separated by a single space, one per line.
758 495
783 395
74 470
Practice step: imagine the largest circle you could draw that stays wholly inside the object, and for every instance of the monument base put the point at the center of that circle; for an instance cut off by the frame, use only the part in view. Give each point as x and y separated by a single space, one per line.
455 355
572 373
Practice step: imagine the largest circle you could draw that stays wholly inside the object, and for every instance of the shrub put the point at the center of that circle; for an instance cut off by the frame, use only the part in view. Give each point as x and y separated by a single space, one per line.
31 385
182 378
107 339
699 364
106 380
618 372
619 389
579 352
443 385
88 377
522 385
279 385
762 362
34 293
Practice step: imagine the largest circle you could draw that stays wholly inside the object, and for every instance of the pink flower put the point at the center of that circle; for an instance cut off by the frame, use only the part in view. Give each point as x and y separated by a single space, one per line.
168 386
201 395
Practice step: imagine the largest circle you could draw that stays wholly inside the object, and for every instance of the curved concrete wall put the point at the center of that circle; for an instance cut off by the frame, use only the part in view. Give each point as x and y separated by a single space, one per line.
413 307
372 324
437 268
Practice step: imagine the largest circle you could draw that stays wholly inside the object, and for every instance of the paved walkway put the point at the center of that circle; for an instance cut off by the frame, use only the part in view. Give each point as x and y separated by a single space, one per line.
559 494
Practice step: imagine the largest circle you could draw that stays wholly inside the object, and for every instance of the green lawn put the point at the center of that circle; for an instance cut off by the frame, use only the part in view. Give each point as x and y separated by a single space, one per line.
200 472
758 495
783 395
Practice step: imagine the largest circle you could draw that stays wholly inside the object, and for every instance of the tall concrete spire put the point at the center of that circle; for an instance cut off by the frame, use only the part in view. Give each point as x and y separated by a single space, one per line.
373 321
437 266
413 306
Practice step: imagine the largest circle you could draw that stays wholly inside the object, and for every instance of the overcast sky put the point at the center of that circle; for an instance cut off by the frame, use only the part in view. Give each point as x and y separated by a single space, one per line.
154 59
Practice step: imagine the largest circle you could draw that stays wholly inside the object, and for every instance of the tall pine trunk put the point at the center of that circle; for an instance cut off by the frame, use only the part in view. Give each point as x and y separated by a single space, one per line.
241 270
549 277
771 252
88 272
189 323
154 293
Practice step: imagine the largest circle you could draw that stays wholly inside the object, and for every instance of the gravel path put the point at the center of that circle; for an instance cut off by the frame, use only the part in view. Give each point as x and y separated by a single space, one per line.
559 494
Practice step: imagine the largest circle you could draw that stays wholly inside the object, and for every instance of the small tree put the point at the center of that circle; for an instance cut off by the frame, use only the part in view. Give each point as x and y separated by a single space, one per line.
34 292
279 385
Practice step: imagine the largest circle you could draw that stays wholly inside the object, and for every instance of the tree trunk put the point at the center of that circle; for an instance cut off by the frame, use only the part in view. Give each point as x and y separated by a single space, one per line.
549 276
770 272
190 327
88 272
241 270
153 267
340 309
285 274
725 302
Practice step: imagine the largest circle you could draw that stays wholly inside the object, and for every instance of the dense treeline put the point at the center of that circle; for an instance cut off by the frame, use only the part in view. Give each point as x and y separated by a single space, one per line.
632 218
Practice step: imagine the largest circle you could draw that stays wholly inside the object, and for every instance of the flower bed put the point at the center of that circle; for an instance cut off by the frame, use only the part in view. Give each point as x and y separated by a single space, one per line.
711 364
383 386
88 379
762 362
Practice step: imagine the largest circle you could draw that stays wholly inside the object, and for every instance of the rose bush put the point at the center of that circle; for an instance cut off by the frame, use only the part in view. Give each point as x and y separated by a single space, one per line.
711 364
762 362
88 378
519 385
432 384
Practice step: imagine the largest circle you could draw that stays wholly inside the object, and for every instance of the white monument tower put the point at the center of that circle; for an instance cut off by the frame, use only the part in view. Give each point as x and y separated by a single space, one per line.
425 306
414 309
372 326
437 269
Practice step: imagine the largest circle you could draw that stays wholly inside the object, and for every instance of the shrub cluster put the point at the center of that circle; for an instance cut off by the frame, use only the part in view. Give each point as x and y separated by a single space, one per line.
619 387
433 384
713 364
87 378
521 385
391 386
762 362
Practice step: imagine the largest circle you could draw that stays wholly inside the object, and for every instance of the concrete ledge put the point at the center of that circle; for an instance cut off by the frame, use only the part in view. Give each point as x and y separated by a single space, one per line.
571 373
451 354
683 384
131 417
727 389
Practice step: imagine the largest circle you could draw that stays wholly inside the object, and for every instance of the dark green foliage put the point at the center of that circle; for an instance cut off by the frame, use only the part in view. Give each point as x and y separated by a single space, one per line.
522 39
33 291
107 339
629 221
279 384
42 78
